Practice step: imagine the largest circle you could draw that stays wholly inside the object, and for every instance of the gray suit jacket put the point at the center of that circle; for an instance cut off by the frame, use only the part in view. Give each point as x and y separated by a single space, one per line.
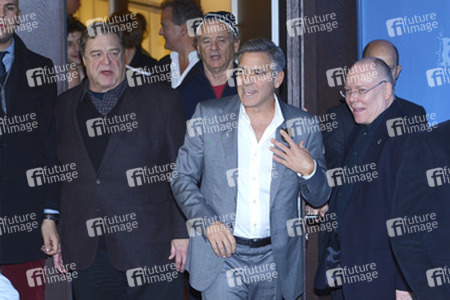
205 191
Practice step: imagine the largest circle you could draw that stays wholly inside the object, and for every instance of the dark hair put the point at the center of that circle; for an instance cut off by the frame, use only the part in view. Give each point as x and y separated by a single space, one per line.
100 28
74 25
183 10
143 24
133 36
275 53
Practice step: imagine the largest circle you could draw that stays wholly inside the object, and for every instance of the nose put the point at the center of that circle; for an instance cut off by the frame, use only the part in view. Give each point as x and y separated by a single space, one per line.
351 97
105 59
214 45
246 79
161 31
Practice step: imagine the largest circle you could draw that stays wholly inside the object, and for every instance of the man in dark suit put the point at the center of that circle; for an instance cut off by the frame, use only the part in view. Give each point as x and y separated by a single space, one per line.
357 256
336 140
243 211
179 38
119 221
421 198
27 146
217 44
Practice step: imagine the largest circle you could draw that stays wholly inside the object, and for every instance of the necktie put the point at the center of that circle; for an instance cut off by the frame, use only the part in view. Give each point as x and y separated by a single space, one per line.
2 66
2 80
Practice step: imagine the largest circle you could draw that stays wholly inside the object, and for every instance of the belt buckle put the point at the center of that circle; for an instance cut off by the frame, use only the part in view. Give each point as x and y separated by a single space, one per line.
254 243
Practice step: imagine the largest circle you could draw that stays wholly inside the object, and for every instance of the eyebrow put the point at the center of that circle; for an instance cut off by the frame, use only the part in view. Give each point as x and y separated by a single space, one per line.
101 50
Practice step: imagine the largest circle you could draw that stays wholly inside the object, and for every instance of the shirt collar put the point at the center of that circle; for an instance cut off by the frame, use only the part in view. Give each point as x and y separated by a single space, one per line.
9 57
117 91
192 56
278 118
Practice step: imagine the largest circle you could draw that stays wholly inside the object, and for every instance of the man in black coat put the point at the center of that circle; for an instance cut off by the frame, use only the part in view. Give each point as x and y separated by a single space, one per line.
420 221
358 256
214 77
27 152
179 38
120 225
336 140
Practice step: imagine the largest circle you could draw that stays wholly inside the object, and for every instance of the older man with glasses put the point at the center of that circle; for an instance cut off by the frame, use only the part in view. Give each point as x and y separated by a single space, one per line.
357 256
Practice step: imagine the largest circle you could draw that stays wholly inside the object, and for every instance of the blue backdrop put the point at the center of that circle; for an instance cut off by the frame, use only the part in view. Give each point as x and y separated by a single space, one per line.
421 31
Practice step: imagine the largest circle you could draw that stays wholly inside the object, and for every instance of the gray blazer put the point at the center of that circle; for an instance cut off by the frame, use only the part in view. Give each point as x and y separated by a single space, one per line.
203 191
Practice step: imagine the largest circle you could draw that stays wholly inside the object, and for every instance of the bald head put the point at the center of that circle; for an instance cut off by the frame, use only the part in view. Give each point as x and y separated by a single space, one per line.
385 51
368 89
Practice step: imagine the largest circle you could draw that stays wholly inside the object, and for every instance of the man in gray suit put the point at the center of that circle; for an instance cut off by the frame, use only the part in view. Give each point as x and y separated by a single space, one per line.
239 178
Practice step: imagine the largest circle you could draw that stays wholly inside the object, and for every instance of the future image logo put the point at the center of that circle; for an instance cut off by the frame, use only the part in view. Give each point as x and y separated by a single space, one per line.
412 24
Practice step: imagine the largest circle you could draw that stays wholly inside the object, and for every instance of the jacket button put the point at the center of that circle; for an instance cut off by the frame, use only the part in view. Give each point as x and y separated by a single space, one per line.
98 181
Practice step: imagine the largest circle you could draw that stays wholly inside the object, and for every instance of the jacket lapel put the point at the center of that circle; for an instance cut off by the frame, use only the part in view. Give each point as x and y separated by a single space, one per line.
13 90
277 167
128 105
73 114
230 139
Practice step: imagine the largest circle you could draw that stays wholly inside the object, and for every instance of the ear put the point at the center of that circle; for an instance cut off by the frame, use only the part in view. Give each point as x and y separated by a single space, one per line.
279 79
19 13
236 43
388 90
398 70
184 30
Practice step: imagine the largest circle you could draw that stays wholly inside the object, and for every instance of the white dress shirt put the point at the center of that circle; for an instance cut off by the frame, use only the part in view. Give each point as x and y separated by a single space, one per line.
254 176
7 291
177 79
255 170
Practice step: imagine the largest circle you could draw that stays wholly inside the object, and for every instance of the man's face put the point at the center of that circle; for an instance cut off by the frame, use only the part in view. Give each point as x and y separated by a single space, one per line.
216 47
256 83
73 47
105 62
9 15
386 54
171 32
366 108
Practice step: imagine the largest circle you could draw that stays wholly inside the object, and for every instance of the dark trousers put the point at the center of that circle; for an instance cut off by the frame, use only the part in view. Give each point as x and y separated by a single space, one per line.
102 282
29 287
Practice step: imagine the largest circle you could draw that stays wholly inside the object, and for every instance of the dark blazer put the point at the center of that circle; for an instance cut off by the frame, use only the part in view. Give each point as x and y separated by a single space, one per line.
413 196
336 141
167 61
362 226
197 88
142 60
154 142
24 150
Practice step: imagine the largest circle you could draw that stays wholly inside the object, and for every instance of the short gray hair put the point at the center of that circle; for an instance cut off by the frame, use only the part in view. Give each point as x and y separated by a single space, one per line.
274 52
380 66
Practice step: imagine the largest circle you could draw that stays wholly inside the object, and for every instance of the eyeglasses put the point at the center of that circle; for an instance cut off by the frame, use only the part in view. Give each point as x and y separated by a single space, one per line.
359 92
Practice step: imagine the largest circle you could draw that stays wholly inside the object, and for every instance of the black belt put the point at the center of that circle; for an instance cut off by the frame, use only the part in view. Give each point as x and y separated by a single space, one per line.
253 243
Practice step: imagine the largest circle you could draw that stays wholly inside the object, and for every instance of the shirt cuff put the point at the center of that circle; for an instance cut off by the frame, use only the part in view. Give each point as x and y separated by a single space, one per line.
312 174
50 211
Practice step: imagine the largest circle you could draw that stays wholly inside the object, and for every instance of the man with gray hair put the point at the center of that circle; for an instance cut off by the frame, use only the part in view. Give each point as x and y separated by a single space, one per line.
239 177
119 219
214 76
357 256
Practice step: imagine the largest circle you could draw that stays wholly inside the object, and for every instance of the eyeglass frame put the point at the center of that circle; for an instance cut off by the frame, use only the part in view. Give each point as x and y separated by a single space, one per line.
361 94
